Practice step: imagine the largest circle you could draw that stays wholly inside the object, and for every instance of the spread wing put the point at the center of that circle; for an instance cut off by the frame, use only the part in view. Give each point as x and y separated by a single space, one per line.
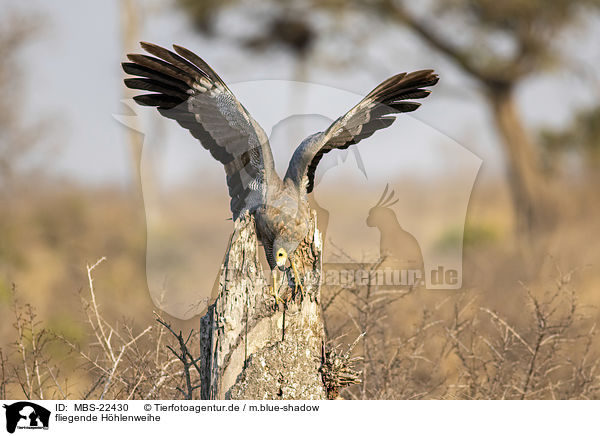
184 88
376 111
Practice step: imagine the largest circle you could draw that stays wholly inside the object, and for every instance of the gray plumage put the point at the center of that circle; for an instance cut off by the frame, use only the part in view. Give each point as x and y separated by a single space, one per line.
184 88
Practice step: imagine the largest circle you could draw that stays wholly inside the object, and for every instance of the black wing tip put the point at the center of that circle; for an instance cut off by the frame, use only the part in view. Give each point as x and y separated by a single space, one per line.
131 82
426 77
423 73
126 66
145 99
180 49
151 45
405 106
187 54
420 79
181 58
158 51
404 86
198 62
161 101
136 57
148 46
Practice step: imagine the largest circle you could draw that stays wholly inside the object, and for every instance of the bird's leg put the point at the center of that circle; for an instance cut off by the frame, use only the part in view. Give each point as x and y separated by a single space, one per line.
296 278
274 289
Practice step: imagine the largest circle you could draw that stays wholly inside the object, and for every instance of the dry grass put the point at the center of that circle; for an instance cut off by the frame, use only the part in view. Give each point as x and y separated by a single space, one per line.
118 362
494 339
460 349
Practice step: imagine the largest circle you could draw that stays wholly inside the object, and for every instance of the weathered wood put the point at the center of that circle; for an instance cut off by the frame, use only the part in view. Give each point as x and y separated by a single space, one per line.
253 349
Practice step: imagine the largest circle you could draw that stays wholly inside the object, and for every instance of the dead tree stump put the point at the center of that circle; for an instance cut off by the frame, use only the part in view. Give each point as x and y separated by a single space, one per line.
253 349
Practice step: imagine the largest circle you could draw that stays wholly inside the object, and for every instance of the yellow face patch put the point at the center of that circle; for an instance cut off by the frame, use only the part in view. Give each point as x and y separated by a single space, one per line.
281 257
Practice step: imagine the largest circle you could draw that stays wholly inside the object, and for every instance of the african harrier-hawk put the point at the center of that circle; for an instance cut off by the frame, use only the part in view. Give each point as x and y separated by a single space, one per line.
184 88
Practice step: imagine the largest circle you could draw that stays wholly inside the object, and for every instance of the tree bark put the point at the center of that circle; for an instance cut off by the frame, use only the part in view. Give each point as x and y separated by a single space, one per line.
130 24
534 211
252 348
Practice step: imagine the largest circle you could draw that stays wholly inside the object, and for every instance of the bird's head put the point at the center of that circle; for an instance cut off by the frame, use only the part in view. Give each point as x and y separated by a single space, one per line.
283 250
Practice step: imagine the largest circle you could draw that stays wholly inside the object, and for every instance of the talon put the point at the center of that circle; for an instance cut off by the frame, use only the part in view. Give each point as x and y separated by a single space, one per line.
274 291
297 279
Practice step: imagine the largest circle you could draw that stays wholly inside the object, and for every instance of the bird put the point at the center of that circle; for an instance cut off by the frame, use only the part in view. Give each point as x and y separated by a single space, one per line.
184 88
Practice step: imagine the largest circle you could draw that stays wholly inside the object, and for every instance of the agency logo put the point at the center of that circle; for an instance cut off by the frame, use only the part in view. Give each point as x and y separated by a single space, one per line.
24 415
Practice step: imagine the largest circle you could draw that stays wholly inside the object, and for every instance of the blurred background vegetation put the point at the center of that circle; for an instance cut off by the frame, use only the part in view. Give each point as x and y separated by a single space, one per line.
528 226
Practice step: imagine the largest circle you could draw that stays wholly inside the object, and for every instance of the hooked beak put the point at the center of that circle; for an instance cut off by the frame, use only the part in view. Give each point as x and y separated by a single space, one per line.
281 258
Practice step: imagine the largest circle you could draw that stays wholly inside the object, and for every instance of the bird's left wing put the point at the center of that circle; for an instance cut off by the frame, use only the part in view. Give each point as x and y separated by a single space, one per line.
376 111
184 88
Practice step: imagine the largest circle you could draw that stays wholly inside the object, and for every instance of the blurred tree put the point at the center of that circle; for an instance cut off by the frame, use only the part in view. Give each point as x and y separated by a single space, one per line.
496 43
282 24
131 15
581 136
202 13
19 136
499 44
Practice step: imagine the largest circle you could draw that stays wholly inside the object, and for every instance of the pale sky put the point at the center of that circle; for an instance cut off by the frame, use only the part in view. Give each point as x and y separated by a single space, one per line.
73 73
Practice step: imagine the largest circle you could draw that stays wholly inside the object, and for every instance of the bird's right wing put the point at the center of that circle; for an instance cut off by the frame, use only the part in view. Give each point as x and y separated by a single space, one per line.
376 111
184 88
